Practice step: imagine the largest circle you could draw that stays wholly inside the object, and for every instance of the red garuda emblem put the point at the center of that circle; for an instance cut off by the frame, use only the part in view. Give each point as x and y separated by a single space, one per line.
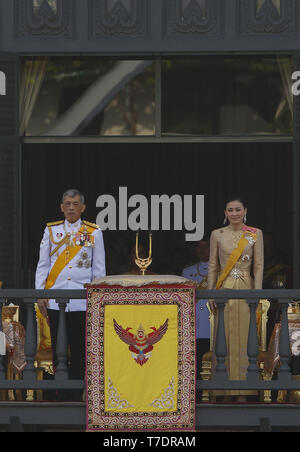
141 344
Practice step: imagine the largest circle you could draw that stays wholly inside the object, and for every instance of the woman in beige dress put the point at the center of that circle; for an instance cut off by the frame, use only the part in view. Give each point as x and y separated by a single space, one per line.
236 253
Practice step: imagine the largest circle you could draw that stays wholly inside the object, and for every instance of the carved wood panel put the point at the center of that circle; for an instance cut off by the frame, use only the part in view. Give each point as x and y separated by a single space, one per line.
193 17
174 21
118 18
259 17
43 18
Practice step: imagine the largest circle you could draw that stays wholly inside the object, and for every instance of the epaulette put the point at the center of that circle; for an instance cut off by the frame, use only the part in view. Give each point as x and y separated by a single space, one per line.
92 225
55 223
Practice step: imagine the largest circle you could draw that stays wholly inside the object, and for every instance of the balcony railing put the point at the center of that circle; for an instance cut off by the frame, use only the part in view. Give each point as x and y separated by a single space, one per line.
208 415
253 381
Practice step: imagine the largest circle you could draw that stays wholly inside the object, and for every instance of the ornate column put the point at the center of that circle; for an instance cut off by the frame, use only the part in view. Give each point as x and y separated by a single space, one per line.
296 181
9 173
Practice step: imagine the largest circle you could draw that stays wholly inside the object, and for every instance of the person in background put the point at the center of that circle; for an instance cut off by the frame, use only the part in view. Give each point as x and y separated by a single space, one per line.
277 275
198 272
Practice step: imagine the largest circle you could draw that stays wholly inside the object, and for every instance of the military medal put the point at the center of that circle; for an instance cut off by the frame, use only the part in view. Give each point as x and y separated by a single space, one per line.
250 239
245 257
235 273
250 235
84 239
88 240
84 260
87 263
78 240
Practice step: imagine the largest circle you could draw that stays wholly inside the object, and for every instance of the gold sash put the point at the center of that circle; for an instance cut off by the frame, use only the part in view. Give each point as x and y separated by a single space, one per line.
65 257
236 253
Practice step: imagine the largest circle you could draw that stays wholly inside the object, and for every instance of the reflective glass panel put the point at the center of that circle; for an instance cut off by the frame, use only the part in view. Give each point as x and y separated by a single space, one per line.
227 96
87 96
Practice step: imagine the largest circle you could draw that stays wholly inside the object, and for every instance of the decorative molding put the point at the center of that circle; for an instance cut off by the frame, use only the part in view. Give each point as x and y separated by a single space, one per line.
265 17
44 18
193 17
118 18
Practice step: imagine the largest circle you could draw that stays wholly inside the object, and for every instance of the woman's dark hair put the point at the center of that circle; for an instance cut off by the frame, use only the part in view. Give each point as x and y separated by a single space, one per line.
238 198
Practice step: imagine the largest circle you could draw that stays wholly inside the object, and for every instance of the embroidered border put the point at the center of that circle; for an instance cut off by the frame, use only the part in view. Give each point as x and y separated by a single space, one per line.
181 419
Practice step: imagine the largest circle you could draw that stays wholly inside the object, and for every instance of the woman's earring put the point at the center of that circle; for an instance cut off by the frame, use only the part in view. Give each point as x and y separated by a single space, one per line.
245 219
225 220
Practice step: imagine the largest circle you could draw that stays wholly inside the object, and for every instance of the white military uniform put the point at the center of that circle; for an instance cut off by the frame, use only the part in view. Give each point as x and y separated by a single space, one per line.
198 272
89 262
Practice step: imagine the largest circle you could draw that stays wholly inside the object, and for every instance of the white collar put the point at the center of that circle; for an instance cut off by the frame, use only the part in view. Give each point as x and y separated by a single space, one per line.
73 225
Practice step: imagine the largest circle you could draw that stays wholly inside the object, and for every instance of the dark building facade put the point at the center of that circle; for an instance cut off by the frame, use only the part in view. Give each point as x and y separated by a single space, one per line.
218 113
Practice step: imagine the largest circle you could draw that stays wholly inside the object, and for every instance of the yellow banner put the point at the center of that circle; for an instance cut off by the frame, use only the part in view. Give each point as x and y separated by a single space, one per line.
141 358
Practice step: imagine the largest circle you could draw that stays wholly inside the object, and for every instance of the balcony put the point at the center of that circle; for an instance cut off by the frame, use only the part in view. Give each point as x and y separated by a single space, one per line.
257 416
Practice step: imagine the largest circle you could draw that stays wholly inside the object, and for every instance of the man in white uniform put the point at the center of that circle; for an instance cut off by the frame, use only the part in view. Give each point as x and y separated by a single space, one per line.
71 255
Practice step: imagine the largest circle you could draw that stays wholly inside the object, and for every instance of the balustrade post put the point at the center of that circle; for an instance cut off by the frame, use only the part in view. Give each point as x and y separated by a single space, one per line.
62 343
30 341
284 344
221 347
2 358
252 349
